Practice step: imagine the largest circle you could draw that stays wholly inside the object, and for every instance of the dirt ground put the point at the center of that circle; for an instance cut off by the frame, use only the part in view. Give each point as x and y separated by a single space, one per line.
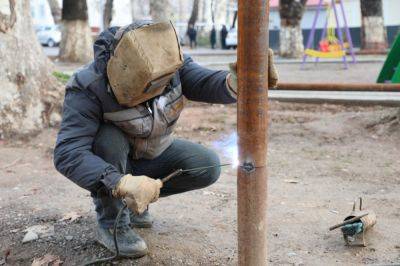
321 157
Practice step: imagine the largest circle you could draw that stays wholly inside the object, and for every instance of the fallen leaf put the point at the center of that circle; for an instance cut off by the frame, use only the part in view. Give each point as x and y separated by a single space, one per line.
29 237
207 193
70 216
33 191
47 260
7 253
292 181
41 230
11 164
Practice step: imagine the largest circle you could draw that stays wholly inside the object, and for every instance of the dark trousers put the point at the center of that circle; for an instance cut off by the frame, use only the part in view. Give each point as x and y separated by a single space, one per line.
112 146
223 43
193 43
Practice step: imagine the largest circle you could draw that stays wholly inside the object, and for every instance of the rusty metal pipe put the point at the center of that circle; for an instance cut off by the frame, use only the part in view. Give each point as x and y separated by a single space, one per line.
253 16
338 87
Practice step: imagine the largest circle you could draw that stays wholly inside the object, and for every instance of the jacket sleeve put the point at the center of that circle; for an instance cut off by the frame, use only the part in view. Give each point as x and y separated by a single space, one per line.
204 85
73 156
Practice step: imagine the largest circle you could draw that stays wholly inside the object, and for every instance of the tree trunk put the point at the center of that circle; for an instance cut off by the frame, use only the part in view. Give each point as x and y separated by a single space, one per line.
29 92
373 33
76 43
235 15
195 13
203 10
107 13
159 10
291 37
139 9
55 10
213 12
133 8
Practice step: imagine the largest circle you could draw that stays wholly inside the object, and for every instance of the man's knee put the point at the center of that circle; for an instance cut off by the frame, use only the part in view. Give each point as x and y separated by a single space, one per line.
111 144
207 177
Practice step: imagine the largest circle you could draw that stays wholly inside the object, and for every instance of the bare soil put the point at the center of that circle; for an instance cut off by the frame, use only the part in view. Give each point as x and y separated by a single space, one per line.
321 157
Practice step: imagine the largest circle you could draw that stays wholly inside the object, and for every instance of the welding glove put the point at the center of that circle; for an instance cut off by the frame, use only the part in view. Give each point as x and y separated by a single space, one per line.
138 191
272 73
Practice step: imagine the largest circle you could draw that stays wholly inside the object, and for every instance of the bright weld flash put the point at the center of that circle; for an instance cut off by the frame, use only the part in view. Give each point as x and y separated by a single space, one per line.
228 146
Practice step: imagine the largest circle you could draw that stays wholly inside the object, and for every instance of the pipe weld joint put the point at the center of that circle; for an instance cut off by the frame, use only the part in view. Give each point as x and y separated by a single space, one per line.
248 167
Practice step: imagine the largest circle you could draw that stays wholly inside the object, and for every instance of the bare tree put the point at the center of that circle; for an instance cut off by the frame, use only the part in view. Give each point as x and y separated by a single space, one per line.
373 34
291 37
76 43
213 11
55 10
159 10
107 13
195 13
140 9
203 4
29 92
133 9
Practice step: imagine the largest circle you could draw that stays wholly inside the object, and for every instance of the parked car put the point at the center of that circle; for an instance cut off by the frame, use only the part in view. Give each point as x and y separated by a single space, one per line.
231 39
49 35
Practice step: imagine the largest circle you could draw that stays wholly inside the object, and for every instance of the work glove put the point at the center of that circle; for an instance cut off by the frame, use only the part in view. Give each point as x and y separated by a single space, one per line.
138 191
272 73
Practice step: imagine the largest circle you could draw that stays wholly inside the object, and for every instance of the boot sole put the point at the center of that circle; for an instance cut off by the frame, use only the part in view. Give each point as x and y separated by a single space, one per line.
134 255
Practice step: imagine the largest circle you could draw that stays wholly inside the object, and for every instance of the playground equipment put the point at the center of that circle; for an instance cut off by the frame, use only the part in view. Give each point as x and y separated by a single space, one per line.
330 46
390 72
388 80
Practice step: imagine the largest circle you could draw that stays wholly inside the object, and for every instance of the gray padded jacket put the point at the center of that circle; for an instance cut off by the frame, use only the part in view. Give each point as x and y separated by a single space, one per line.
89 102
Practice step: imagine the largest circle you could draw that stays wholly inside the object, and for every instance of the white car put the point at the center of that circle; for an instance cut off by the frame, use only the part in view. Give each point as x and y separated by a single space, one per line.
231 39
49 35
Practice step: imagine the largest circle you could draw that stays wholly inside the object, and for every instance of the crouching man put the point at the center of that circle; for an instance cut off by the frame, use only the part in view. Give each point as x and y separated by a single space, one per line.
119 113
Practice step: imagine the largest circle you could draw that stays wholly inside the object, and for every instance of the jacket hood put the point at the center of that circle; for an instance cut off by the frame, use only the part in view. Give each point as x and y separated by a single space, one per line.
108 39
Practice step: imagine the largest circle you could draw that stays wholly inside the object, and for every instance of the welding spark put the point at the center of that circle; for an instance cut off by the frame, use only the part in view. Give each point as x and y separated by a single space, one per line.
229 148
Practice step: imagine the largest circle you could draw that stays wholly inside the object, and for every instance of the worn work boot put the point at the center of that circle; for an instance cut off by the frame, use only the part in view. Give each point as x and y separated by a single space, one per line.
130 244
144 220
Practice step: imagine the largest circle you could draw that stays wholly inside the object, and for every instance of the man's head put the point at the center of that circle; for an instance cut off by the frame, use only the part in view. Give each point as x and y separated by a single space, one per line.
145 58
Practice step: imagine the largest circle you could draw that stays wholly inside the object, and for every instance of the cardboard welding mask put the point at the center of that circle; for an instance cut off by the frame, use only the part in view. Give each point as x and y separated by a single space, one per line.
144 61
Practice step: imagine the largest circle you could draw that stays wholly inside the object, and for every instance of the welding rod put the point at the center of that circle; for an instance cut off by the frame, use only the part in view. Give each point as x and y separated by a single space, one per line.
181 171
350 221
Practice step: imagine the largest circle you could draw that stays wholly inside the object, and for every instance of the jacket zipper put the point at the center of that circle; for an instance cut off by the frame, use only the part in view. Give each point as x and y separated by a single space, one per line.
148 108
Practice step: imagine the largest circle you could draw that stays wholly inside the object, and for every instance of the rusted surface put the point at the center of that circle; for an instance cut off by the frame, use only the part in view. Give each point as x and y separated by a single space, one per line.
371 52
348 220
339 86
369 220
253 18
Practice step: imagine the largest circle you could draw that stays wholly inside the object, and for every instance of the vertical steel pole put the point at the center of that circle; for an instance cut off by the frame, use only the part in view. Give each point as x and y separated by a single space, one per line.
310 42
323 36
348 34
253 18
339 31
